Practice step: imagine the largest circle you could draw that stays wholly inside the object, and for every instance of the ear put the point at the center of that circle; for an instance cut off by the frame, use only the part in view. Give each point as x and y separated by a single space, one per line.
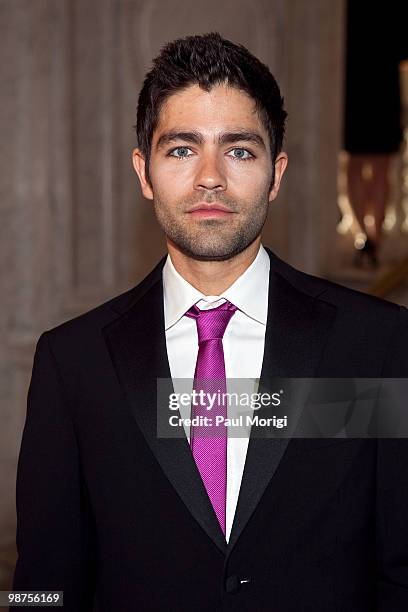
281 163
139 165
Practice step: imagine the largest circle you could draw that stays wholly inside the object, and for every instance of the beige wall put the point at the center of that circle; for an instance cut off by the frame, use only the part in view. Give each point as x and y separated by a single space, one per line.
74 229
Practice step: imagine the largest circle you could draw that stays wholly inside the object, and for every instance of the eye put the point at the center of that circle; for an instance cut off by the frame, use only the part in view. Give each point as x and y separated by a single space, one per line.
180 152
240 153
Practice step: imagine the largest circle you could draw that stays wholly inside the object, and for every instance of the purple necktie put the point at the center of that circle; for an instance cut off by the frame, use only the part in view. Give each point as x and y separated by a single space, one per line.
209 442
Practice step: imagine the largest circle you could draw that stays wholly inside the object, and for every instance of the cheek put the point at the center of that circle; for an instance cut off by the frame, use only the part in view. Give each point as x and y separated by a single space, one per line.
248 178
166 190
172 176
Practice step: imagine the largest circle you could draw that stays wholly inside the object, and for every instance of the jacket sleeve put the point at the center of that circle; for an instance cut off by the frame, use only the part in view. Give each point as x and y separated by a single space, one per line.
392 493
55 536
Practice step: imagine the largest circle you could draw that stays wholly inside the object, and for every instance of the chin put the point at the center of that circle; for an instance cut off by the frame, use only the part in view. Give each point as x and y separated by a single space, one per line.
210 253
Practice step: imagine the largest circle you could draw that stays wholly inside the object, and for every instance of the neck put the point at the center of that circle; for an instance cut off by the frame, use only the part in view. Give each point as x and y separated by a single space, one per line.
212 277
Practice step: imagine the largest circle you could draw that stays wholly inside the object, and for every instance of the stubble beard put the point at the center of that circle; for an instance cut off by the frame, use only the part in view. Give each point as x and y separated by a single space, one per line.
212 239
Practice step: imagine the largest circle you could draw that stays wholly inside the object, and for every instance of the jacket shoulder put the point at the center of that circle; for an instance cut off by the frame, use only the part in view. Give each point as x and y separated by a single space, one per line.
334 293
102 314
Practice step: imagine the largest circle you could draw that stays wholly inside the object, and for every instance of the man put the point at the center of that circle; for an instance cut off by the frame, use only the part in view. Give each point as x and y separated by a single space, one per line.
108 510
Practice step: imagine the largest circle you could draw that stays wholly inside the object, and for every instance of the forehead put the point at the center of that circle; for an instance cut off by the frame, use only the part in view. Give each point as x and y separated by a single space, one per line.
222 108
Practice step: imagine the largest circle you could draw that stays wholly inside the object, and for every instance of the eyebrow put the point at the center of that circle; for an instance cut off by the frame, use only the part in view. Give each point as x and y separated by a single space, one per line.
223 138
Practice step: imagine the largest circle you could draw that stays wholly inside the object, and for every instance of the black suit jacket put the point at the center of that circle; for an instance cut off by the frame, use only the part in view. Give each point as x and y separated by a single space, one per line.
108 510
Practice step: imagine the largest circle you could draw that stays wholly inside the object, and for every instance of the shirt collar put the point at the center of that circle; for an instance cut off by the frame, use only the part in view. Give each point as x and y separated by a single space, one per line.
249 292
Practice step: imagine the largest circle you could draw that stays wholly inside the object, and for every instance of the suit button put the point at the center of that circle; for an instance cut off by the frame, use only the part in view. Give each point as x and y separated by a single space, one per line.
232 584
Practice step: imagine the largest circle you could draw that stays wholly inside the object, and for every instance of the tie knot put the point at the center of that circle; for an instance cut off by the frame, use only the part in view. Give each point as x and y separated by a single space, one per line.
212 323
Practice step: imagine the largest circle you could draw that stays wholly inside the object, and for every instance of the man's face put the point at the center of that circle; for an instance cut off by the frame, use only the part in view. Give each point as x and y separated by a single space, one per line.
210 148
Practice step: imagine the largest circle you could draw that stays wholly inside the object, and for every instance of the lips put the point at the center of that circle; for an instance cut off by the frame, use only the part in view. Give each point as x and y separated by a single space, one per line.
205 207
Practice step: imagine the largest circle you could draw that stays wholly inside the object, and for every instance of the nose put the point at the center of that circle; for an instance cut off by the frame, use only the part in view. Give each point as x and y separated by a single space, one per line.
210 174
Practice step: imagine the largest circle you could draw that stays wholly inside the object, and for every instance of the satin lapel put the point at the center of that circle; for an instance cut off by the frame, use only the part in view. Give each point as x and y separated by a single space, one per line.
297 328
137 345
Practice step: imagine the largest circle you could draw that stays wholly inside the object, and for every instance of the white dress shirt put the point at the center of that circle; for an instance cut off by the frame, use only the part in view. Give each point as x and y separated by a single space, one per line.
243 344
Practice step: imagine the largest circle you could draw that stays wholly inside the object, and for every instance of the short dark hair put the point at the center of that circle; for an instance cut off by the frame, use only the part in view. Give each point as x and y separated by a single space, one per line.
208 60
